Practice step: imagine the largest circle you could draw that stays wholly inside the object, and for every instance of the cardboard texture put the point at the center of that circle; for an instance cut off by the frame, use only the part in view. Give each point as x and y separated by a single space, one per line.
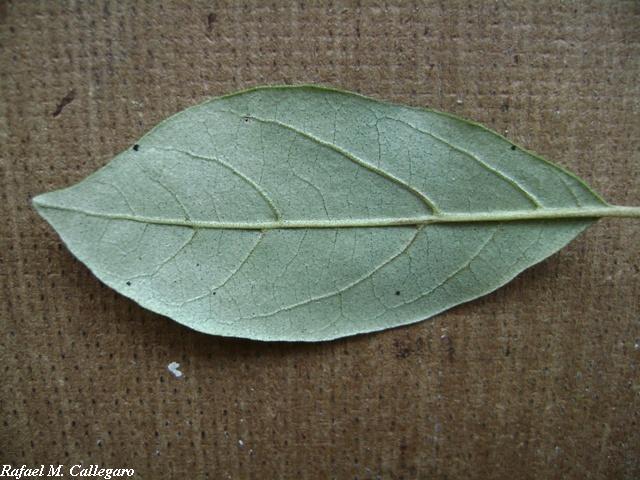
538 380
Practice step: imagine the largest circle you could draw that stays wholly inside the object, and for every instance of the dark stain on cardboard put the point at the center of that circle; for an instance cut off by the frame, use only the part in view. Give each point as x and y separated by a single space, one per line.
211 19
447 342
406 348
66 100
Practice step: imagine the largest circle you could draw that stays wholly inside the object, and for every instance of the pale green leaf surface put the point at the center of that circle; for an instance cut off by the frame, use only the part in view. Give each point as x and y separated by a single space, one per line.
307 214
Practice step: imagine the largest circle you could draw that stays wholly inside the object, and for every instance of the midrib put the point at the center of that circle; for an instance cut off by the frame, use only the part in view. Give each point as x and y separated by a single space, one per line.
496 216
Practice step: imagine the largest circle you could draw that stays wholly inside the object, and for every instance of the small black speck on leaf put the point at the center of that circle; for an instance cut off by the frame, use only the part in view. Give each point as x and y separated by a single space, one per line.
513 147
136 147
128 283
397 292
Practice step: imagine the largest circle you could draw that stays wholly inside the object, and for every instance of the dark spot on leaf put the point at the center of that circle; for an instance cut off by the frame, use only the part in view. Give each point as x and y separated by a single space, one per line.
66 100
397 292
246 119
513 147
136 147
214 293
128 283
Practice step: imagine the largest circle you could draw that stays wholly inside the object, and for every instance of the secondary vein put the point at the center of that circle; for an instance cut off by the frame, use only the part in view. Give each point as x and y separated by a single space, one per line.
429 203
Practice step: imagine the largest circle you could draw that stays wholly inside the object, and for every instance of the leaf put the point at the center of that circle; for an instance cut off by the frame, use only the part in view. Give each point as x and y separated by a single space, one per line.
306 214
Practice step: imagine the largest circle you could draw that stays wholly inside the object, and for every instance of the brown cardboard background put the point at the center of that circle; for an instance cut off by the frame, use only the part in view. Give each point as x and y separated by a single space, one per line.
538 380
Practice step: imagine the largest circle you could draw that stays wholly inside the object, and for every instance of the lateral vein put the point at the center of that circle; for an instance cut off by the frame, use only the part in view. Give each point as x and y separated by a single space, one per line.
430 204
498 173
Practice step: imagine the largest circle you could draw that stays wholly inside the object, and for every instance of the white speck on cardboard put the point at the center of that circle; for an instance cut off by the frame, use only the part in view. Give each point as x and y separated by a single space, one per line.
173 367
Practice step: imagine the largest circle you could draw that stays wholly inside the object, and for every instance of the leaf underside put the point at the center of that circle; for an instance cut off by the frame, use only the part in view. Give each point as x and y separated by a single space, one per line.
307 214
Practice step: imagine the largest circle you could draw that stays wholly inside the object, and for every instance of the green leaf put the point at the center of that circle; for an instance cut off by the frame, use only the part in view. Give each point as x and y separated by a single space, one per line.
306 214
